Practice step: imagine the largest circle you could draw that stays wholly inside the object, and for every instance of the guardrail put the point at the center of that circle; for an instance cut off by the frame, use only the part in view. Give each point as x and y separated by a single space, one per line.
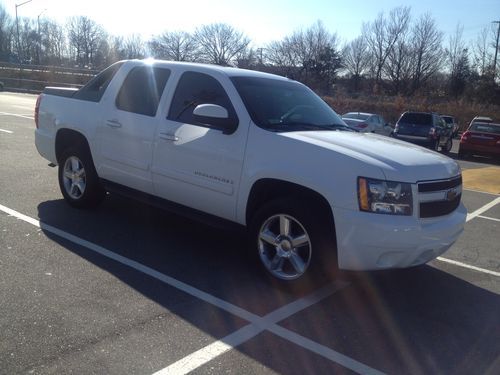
34 78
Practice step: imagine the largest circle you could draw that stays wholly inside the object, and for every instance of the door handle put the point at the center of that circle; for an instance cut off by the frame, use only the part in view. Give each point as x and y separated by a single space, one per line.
169 137
114 124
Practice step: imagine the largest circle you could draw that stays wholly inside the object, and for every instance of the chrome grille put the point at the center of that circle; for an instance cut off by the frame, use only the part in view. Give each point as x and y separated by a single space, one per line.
439 198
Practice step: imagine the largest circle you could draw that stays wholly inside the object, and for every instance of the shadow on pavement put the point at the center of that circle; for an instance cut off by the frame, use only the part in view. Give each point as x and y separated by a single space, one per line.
410 321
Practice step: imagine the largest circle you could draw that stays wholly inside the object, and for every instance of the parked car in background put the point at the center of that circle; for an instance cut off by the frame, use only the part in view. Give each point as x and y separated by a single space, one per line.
425 129
450 120
481 138
483 119
367 122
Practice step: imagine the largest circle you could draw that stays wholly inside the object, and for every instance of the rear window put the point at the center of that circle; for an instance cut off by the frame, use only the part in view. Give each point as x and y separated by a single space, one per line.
486 128
95 88
416 118
448 119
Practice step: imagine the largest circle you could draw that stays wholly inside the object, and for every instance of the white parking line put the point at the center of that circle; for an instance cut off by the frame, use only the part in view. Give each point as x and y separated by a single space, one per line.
6 131
464 265
16 115
483 209
489 218
268 322
258 324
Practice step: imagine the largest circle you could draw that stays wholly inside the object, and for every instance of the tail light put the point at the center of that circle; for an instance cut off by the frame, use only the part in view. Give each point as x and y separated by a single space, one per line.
37 109
362 125
465 137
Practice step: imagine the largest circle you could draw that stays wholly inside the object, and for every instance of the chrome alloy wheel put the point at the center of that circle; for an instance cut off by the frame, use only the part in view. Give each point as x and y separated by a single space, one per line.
284 247
74 178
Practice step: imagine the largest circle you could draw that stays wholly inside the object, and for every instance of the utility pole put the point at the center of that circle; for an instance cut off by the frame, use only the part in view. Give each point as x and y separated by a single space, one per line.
496 52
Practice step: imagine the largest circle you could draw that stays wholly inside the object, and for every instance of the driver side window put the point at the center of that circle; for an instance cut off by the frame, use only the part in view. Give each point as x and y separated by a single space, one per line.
194 89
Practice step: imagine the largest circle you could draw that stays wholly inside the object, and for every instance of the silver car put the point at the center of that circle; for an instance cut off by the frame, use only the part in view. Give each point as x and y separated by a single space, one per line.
367 122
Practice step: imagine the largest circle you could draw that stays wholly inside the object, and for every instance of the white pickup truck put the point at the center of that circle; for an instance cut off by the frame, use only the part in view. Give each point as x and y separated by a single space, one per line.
257 150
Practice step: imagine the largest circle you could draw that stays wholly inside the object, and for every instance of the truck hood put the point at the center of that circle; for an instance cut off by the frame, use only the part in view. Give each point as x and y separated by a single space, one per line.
398 160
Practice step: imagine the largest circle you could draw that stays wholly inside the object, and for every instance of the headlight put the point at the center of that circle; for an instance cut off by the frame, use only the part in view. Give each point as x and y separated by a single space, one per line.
385 197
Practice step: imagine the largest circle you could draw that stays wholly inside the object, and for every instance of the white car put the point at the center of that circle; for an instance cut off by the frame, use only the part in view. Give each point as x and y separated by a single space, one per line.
257 151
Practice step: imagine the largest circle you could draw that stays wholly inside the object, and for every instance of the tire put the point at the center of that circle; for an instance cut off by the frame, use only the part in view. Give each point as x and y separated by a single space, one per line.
435 145
78 178
294 246
447 147
463 154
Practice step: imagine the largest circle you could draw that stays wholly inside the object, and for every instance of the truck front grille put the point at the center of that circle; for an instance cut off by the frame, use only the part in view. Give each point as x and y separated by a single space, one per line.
439 198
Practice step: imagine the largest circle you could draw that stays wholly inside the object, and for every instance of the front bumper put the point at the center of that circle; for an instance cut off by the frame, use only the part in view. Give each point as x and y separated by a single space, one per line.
368 241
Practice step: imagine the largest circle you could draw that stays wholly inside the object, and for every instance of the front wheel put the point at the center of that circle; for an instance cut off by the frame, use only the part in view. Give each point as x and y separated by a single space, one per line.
294 244
78 179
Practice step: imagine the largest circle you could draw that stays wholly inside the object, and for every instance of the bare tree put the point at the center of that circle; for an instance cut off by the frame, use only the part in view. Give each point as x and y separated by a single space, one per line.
427 53
482 55
308 55
382 34
220 43
455 48
5 34
28 40
85 37
355 59
134 47
175 46
53 43
398 65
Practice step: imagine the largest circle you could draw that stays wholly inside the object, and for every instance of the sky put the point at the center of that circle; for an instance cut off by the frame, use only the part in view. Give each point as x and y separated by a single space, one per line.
261 20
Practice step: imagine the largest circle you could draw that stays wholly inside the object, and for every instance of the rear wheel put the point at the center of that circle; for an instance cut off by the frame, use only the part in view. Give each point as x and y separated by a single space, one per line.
78 179
293 244
447 147
435 145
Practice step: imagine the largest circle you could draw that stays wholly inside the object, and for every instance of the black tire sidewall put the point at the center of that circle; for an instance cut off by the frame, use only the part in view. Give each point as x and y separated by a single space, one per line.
93 193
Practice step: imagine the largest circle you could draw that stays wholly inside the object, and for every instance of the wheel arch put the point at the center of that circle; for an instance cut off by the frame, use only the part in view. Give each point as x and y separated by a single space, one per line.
268 189
69 137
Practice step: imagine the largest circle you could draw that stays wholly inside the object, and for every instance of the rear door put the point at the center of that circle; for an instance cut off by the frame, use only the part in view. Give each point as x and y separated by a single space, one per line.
128 128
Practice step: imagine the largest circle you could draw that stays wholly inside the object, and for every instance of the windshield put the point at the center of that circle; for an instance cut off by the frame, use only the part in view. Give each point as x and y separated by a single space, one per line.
285 105
448 119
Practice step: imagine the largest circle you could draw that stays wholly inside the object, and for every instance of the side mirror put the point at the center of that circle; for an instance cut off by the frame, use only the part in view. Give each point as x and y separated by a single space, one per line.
216 117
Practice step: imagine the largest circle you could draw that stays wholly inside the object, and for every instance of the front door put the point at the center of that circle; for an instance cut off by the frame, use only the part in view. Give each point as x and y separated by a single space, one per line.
195 165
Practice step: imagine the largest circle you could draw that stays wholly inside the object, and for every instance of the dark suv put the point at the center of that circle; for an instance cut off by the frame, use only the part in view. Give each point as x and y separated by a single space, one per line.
424 129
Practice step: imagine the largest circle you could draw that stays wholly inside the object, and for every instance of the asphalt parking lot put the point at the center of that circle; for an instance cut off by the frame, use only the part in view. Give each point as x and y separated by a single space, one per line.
127 288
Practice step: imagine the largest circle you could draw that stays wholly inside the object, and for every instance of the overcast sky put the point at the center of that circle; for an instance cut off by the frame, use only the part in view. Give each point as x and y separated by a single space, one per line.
261 20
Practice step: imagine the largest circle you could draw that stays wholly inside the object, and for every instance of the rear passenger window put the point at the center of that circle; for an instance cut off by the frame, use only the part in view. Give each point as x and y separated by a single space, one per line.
141 91
194 89
95 88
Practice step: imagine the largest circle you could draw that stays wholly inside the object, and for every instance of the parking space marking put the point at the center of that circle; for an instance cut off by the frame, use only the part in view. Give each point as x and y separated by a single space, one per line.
465 265
483 209
16 115
257 323
269 323
488 218
6 131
